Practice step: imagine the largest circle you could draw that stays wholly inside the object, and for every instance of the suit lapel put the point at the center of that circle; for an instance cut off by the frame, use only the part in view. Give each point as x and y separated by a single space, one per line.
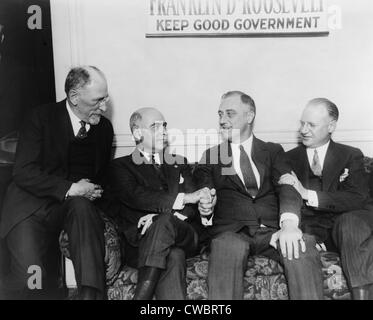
260 157
302 167
63 130
172 175
332 165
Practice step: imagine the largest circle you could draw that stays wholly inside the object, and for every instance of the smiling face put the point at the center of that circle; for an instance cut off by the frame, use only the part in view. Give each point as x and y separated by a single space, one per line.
235 119
316 126
151 130
89 101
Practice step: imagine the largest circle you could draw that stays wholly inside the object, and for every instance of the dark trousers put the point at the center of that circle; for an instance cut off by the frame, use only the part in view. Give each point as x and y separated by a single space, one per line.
353 236
228 262
34 242
166 245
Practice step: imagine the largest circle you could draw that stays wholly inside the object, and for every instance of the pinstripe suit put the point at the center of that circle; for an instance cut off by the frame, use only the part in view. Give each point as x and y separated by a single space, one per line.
243 225
342 220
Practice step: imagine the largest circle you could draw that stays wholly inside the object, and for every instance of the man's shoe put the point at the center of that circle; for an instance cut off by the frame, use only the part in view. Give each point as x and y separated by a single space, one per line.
147 281
362 293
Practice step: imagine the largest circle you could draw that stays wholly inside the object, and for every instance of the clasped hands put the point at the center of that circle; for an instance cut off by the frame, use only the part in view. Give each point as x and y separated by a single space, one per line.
85 188
205 198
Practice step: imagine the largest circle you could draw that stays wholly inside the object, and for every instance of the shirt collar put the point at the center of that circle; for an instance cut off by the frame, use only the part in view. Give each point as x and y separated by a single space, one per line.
148 156
247 145
75 121
320 150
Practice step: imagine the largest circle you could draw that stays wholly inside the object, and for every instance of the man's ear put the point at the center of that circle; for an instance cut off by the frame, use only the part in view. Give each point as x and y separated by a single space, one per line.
332 126
73 96
137 134
250 117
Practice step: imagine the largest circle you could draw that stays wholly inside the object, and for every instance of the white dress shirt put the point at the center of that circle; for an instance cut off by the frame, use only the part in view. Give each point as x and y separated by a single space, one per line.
236 153
75 121
313 200
247 145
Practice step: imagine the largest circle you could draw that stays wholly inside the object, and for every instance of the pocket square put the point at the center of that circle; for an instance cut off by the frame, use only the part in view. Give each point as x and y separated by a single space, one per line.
344 175
181 181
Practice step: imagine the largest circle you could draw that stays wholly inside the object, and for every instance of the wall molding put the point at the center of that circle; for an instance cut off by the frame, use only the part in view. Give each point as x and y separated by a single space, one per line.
283 137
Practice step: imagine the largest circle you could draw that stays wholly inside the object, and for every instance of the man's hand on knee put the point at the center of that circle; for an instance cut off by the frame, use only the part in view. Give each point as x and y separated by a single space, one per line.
290 239
145 222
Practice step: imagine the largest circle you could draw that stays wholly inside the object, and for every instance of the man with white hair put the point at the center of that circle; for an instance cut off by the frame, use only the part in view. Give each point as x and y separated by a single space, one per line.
62 149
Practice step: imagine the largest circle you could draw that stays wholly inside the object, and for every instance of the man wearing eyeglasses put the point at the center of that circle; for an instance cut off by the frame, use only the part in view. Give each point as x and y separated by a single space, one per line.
62 149
151 194
330 177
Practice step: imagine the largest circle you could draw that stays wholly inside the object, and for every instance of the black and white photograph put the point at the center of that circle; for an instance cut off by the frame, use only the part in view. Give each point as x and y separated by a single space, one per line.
199 150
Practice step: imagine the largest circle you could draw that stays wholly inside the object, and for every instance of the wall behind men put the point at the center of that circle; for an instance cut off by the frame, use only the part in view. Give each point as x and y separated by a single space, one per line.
185 77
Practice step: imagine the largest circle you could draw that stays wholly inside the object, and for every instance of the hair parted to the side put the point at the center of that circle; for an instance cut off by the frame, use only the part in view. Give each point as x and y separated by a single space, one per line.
246 99
330 107
78 77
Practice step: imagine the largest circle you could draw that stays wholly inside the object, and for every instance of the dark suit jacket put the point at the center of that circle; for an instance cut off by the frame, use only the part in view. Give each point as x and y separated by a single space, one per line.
134 190
41 167
235 208
336 196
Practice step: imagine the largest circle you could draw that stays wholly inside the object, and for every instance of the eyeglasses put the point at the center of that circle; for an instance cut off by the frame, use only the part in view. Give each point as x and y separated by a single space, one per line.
102 101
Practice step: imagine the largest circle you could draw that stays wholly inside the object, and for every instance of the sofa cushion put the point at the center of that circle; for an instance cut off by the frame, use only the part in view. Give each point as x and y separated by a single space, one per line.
264 279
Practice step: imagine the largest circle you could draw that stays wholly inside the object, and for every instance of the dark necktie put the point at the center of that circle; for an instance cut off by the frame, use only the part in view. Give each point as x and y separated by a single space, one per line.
248 173
156 165
82 133
158 169
316 166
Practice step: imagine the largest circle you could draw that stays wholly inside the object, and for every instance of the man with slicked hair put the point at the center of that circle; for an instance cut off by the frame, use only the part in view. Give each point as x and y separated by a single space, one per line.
151 195
250 214
62 149
330 178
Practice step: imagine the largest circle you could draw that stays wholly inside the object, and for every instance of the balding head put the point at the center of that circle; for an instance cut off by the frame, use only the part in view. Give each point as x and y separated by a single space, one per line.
79 77
149 129
87 93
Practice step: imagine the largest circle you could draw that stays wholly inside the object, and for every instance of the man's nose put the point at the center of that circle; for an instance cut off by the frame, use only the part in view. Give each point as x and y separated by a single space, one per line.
304 128
103 107
223 119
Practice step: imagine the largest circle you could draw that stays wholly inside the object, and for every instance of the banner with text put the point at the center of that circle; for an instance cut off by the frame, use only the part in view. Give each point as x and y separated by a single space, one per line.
206 18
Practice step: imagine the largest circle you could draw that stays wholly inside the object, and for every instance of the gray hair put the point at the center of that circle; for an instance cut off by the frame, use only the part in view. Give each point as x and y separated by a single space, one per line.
79 77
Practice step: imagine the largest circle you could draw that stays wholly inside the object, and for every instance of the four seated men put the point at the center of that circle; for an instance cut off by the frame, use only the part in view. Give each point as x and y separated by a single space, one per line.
246 197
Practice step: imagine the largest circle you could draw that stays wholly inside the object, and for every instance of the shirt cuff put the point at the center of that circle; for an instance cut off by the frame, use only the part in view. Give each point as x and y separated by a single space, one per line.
180 216
313 200
289 216
179 202
207 221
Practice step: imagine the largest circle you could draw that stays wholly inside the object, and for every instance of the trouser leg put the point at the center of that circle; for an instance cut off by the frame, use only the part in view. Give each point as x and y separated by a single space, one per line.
34 252
85 229
166 232
353 236
227 264
304 275
172 282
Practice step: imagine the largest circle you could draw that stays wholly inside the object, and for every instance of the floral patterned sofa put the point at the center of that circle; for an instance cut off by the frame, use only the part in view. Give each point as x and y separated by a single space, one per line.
264 278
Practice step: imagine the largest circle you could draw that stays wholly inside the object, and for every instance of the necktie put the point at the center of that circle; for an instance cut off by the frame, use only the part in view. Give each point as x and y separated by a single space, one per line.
158 169
156 165
248 173
316 166
82 133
